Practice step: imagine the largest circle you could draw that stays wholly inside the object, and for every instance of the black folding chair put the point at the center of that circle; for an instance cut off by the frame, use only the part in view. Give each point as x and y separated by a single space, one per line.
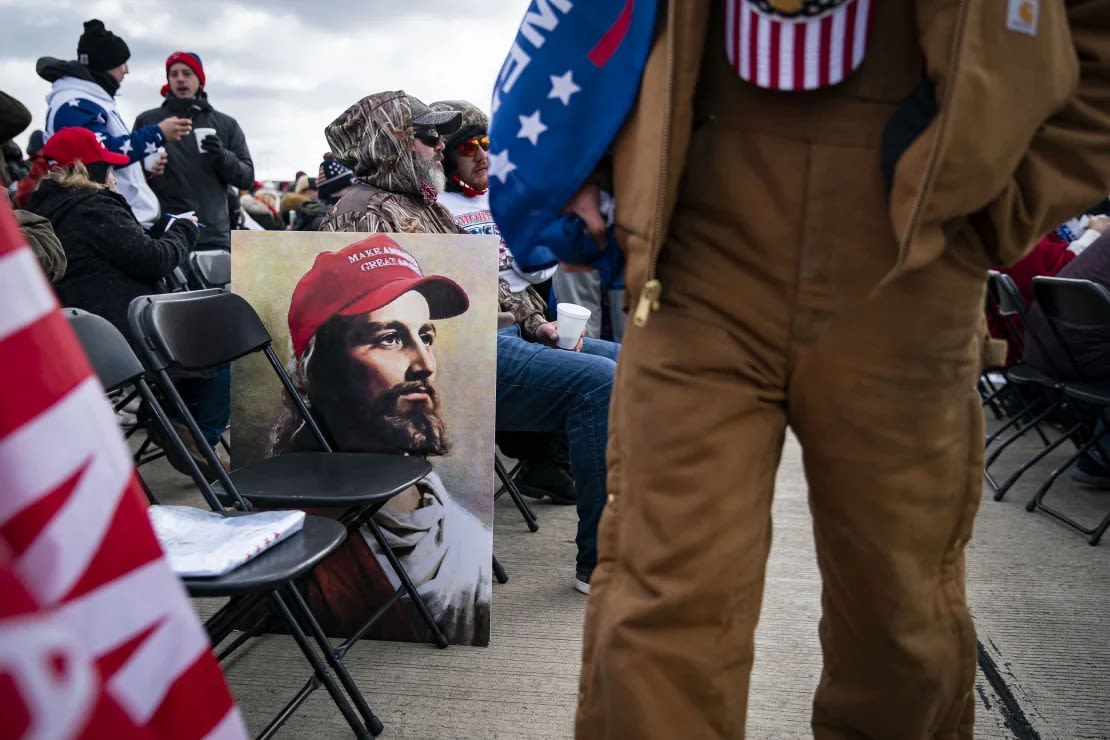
1000 396
1081 305
508 484
271 575
211 268
155 446
1043 397
211 328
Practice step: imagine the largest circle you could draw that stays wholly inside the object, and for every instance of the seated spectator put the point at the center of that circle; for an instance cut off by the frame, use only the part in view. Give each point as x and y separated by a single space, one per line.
34 144
40 236
1048 257
332 182
302 191
262 207
545 469
1077 355
111 259
14 117
540 388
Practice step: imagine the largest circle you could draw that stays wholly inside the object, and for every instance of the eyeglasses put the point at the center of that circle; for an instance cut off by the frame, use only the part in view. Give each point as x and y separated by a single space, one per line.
470 146
427 136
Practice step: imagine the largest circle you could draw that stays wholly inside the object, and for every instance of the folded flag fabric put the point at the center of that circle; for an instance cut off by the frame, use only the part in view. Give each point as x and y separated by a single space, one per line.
205 543
565 88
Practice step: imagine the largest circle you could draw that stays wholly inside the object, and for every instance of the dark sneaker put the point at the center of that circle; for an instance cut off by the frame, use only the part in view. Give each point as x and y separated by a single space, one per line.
538 479
582 581
1089 472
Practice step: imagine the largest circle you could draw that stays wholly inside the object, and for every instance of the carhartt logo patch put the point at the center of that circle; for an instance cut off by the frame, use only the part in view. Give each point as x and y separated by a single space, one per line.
1022 16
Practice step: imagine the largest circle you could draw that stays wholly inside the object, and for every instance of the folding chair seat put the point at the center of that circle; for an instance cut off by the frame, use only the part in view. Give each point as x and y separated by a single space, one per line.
211 268
1041 394
269 576
212 328
1081 305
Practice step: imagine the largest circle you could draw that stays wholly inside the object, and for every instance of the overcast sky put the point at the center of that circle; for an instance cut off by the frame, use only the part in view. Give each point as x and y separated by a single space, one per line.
284 68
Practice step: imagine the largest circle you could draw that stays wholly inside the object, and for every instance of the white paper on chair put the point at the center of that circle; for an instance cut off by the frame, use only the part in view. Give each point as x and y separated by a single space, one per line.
204 543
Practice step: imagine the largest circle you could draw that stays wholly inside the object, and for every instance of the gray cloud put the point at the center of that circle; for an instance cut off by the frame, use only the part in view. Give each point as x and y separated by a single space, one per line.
283 69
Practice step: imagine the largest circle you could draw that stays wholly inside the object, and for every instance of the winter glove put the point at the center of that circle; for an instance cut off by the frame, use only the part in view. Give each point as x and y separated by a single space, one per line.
909 121
213 144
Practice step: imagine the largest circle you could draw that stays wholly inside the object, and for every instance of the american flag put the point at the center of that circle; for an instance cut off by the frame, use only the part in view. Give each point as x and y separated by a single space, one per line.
98 639
569 63
798 53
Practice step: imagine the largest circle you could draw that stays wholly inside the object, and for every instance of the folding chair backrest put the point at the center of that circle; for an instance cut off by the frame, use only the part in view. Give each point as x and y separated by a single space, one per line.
1072 303
111 357
198 330
176 281
1006 294
116 365
1006 307
202 330
211 267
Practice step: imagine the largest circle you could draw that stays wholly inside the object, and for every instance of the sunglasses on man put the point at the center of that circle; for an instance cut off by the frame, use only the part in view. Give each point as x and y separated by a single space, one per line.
470 146
427 136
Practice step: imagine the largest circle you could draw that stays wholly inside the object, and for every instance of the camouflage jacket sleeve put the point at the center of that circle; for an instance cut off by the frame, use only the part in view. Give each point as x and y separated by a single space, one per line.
526 307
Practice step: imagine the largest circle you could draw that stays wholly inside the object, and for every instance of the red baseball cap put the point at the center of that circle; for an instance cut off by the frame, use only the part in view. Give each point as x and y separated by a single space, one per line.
77 144
363 277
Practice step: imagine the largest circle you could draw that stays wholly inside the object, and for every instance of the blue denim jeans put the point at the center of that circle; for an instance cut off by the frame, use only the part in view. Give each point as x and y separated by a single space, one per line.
209 400
543 389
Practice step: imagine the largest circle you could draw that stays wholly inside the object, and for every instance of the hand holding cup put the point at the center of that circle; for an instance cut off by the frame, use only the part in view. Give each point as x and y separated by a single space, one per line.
571 325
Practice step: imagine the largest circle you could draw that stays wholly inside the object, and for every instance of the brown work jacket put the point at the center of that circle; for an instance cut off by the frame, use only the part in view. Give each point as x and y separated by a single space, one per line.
1021 142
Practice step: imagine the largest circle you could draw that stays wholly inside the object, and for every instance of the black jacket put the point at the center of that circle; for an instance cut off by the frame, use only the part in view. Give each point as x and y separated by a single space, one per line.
195 180
110 259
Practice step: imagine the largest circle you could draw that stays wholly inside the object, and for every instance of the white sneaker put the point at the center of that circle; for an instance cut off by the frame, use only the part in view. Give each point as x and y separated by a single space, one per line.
582 583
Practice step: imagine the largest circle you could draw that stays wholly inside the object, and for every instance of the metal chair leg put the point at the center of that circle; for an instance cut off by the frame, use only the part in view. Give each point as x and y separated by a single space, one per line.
1002 489
334 660
499 571
406 583
321 674
515 494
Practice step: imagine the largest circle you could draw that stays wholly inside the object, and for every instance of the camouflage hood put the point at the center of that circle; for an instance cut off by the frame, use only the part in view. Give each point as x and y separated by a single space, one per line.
374 138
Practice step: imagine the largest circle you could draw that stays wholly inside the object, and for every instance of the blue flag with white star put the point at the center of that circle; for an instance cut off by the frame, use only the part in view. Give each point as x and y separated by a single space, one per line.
564 90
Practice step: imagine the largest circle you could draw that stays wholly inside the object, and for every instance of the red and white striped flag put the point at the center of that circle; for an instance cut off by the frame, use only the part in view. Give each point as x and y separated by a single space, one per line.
98 639
815 44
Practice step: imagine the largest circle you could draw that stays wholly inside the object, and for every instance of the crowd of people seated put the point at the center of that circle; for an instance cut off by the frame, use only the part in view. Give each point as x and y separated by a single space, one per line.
1079 248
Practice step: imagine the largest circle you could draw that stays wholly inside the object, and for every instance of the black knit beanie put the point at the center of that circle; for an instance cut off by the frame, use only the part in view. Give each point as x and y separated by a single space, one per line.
100 49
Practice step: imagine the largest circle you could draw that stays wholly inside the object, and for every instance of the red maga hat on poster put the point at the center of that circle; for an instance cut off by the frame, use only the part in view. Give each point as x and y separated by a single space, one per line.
363 277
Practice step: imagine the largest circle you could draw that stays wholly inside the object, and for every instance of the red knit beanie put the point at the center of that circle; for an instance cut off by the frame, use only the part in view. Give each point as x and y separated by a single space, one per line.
189 59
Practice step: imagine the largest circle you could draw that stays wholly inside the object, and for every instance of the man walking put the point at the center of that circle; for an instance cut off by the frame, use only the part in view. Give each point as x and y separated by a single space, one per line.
809 195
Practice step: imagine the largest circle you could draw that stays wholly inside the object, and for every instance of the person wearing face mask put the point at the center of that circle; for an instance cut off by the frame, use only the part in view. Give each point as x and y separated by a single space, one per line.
83 93
199 167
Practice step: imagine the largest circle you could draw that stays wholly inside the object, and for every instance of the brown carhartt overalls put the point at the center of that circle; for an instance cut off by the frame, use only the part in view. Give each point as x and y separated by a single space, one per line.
773 317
